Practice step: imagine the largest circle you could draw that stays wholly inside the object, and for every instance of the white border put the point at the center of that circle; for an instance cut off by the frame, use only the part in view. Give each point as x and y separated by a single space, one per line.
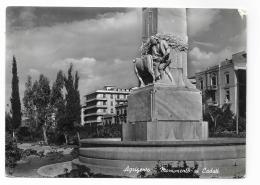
253 50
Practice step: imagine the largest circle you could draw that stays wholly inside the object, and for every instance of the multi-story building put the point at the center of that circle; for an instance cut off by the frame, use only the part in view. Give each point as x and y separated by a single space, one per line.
121 112
226 83
100 105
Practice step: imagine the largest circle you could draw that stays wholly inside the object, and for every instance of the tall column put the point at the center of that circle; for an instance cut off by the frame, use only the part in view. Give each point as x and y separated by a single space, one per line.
174 20
149 22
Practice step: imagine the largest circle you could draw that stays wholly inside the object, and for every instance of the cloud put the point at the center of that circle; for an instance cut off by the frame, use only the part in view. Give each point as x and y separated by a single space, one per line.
238 42
34 72
101 49
200 60
206 44
200 20
24 19
79 63
172 20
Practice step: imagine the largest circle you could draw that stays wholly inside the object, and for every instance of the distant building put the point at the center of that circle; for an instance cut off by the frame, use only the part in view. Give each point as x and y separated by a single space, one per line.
226 83
121 112
100 106
108 119
193 80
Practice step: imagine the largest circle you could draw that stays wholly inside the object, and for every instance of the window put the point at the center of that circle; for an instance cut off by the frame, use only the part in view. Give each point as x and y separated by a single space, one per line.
201 84
104 102
117 96
111 96
213 97
214 81
112 111
111 103
227 78
227 98
104 95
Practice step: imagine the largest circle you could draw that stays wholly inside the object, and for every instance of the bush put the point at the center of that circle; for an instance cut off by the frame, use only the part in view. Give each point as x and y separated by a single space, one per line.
75 152
224 118
241 124
81 171
228 134
12 153
23 134
110 131
29 152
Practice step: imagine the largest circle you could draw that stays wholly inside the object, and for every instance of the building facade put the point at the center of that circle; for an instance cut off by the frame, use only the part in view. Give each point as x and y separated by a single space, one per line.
121 112
226 83
100 105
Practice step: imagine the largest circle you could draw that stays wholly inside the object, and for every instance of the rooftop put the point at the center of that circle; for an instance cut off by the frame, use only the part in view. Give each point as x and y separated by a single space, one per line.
111 89
238 60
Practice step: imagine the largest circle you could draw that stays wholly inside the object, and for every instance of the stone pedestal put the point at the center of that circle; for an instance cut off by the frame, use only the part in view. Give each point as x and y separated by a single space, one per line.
161 112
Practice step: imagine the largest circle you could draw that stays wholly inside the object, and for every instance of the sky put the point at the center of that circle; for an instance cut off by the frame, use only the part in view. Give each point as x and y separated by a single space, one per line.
102 42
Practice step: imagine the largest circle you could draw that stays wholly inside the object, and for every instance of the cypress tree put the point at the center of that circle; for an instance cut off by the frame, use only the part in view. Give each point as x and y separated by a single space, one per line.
73 108
15 99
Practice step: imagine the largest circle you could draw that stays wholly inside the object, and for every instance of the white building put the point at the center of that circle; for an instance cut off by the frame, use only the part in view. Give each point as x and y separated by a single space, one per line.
101 103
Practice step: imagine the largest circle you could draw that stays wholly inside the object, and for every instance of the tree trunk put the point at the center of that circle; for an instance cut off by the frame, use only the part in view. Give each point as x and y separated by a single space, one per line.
66 138
14 137
215 125
44 135
78 136
13 134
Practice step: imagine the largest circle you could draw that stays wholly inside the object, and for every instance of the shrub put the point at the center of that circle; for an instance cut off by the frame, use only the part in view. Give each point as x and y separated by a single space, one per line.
23 134
241 124
81 171
29 152
12 153
75 152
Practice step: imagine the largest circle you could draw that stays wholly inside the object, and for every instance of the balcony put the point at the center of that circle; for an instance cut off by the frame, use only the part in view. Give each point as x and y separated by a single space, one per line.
212 87
96 106
96 99
92 121
95 114
121 99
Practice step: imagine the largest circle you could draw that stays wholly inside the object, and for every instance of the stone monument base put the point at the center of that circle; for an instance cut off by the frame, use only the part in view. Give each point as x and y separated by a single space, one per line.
160 112
165 131
216 157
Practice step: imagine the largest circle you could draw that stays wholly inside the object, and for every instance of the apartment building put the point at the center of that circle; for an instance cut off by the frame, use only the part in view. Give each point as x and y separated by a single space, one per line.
226 83
100 105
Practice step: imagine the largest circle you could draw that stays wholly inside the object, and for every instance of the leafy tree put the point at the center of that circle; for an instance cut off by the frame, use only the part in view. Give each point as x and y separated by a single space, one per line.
219 118
29 107
41 100
15 99
73 108
58 102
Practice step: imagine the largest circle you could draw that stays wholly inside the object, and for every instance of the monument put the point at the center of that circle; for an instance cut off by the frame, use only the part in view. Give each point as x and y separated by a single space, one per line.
164 115
166 107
